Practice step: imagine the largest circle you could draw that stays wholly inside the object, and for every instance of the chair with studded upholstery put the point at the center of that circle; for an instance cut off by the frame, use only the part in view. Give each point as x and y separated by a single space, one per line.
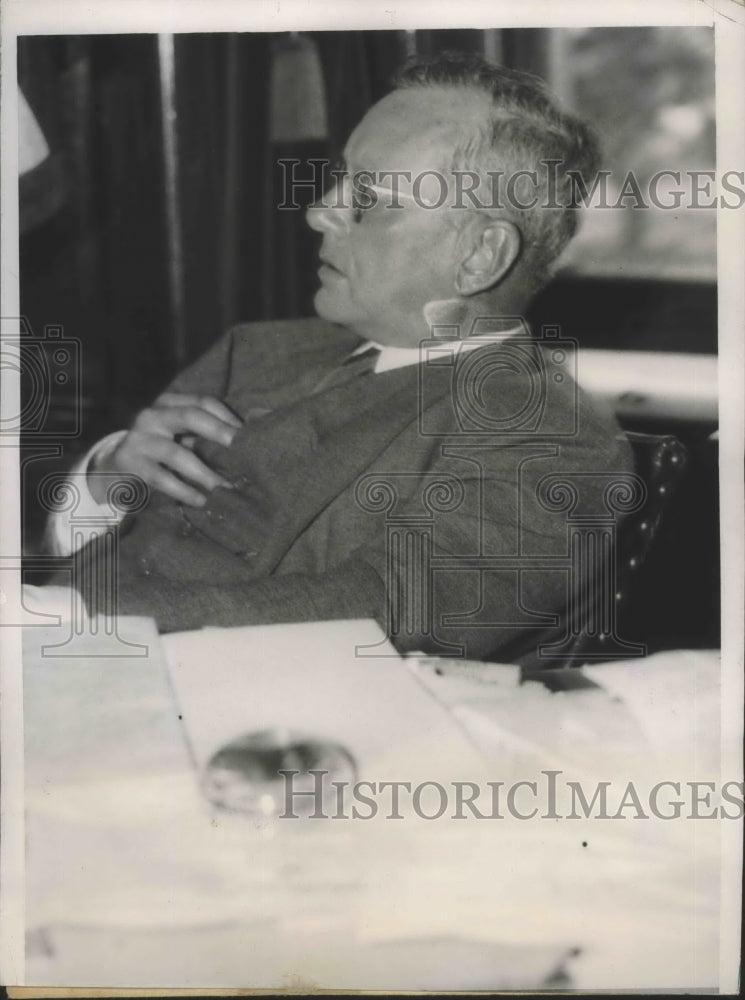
660 461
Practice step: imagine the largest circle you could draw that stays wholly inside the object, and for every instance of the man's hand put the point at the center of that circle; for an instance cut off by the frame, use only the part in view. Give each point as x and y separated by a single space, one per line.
158 448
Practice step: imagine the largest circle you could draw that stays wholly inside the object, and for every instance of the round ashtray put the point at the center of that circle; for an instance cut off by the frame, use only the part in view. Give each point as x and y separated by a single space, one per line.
277 773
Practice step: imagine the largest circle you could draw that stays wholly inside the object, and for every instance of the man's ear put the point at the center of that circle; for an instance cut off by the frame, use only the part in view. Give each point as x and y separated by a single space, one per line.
489 249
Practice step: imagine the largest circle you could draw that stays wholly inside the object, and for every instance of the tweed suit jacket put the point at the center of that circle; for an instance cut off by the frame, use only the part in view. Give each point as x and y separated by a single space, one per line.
401 496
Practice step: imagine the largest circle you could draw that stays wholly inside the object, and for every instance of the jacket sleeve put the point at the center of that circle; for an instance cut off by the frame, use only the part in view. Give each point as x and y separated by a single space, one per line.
379 580
387 580
461 606
206 376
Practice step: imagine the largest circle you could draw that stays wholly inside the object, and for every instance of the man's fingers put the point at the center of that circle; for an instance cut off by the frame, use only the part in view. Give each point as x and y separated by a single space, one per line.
166 482
141 461
176 458
214 406
159 446
174 420
221 411
186 464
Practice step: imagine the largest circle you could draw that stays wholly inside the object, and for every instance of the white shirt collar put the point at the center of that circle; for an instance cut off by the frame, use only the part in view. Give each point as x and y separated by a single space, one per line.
400 357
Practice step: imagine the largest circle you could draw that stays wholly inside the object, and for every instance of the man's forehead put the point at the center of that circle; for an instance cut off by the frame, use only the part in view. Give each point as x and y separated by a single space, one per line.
415 128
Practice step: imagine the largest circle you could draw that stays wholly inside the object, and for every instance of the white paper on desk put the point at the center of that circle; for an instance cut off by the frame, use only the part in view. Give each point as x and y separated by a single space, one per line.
139 847
616 889
262 955
309 679
96 716
523 728
676 697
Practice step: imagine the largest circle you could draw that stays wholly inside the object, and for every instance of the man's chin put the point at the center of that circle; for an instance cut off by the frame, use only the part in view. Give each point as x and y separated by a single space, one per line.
328 306
337 309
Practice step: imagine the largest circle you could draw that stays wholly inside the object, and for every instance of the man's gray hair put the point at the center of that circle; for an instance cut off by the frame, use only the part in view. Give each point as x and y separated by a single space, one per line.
526 129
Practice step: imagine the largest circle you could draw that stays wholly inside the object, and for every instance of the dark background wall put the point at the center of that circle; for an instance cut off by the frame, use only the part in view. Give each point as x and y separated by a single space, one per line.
96 239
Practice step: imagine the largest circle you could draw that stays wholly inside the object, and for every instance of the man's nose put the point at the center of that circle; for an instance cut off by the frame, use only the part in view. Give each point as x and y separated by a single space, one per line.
329 214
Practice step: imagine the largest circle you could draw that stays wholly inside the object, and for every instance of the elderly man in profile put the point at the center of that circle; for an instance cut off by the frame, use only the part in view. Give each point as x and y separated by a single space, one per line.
392 454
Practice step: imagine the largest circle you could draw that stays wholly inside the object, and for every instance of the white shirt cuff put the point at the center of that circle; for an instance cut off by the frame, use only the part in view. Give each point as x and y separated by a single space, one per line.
59 532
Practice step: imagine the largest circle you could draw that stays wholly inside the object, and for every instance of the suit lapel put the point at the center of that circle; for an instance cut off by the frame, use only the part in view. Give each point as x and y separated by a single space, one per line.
288 465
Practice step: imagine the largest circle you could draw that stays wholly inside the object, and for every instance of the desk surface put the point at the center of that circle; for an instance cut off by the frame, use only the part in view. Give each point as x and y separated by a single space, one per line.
133 877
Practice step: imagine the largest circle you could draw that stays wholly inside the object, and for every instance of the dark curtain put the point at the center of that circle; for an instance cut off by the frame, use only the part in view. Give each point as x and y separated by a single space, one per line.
95 253
94 264
96 241
245 258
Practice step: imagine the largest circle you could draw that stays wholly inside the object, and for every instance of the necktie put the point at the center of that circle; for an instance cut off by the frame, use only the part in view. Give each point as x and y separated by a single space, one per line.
352 367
